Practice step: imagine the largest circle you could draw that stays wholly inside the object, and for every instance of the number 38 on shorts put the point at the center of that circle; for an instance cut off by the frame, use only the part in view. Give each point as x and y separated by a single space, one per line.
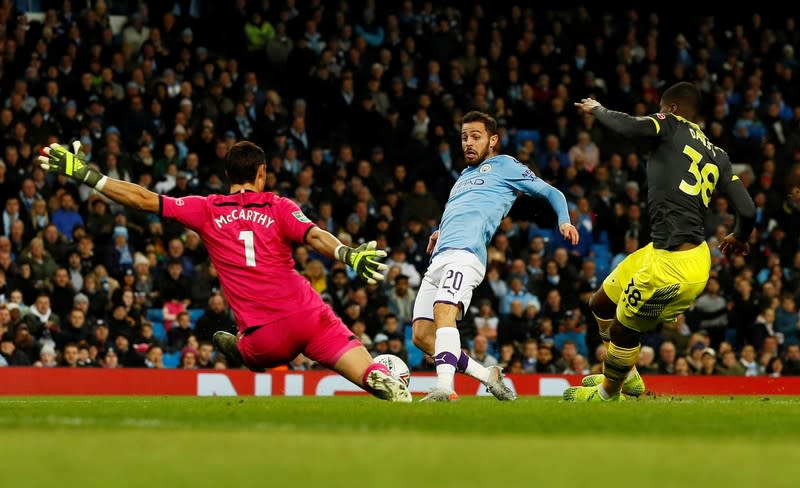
653 286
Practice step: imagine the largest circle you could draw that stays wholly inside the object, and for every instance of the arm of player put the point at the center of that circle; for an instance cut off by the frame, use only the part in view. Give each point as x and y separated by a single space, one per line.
622 123
737 241
538 187
363 259
59 159
432 241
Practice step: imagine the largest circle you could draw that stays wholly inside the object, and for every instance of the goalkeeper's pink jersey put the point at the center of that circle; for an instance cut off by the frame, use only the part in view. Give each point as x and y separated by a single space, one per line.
249 238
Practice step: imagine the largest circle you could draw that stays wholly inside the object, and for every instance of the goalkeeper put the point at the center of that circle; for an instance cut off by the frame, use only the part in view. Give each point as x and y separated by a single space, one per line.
249 235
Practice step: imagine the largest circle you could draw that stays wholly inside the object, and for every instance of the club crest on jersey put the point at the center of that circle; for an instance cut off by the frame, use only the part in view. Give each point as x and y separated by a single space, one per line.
486 168
300 216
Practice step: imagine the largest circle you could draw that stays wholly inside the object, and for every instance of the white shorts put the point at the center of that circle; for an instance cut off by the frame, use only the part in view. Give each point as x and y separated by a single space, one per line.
451 278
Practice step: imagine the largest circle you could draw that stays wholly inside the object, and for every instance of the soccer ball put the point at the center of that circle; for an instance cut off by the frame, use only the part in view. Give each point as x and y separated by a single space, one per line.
396 366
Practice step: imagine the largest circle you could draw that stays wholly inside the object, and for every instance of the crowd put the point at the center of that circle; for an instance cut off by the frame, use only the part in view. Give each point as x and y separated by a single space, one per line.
357 105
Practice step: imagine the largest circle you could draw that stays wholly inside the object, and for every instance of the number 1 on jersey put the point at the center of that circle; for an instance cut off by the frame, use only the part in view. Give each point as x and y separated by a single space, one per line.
703 185
249 247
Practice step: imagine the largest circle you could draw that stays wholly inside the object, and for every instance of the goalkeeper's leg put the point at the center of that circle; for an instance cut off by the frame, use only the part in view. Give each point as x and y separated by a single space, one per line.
357 366
333 345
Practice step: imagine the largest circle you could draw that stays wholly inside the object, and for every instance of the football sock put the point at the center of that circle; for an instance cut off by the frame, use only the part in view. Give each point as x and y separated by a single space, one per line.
602 391
605 327
617 365
473 368
446 352
373 367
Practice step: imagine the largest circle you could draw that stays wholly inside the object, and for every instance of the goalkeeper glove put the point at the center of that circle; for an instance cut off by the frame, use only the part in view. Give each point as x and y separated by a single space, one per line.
363 260
59 159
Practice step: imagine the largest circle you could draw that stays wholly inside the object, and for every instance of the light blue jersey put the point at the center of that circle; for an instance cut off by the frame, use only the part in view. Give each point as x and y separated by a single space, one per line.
481 198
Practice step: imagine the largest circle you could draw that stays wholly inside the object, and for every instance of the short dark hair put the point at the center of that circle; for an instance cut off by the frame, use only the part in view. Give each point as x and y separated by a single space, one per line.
488 121
684 94
244 159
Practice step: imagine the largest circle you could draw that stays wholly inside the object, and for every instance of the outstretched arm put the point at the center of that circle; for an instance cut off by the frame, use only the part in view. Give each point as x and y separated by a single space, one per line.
363 259
131 195
59 159
534 186
622 123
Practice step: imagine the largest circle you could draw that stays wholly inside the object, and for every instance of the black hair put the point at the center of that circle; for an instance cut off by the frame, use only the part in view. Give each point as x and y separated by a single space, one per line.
684 94
244 159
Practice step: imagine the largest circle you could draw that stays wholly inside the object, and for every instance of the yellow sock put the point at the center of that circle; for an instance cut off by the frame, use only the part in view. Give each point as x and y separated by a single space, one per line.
617 365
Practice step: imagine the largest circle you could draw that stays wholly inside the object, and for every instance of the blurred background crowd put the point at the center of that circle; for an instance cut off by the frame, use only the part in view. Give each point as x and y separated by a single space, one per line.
357 105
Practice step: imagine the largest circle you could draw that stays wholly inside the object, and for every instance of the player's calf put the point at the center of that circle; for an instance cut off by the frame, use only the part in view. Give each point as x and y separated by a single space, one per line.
423 335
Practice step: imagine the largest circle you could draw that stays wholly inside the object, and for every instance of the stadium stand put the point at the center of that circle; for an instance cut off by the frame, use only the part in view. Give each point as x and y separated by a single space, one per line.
357 105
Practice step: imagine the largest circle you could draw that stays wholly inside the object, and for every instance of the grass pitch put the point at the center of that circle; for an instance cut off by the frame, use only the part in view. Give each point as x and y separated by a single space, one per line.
359 441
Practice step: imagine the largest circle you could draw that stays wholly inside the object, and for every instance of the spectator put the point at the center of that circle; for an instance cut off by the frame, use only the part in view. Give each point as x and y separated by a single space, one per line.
530 353
517 292
66 218
9 352
666 358
486 321
792 363
544 363
514 328
711 312
155 357
401 299
69 358
216 317
397 347
188 358
180 332
578 365
76 329
47 357
398 258
646 363
480 352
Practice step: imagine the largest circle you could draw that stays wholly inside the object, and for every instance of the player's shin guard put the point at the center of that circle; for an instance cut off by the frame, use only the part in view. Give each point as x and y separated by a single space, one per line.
618 363
472 368
447 350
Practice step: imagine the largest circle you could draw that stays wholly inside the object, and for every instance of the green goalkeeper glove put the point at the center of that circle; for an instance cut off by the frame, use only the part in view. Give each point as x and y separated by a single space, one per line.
363 260
59 159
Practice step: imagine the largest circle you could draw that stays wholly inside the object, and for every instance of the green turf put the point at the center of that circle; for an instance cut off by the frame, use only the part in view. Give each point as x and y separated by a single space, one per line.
358 441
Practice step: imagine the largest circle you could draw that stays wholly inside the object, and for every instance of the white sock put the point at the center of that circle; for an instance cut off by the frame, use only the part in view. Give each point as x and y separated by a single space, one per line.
447 349
476 370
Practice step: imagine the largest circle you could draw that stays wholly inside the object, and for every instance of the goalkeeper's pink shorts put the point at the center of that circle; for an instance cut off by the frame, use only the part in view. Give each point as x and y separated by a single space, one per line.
319 334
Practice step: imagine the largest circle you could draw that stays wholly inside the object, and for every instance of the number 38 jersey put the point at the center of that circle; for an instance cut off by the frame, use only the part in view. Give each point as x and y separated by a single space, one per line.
249 238
683 170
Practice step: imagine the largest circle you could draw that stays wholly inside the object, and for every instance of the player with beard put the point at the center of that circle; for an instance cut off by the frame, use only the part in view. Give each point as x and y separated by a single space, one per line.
479 200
